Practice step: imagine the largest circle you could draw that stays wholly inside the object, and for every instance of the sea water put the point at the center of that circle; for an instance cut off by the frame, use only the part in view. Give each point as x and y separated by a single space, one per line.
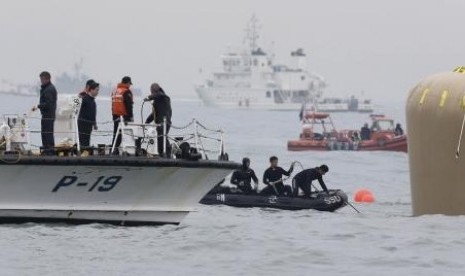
219 240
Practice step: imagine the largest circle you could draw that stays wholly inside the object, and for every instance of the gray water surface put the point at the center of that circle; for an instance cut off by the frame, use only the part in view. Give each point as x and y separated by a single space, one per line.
383 240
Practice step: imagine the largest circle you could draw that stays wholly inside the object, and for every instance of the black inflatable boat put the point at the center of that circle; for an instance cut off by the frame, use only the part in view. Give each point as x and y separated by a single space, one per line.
320 201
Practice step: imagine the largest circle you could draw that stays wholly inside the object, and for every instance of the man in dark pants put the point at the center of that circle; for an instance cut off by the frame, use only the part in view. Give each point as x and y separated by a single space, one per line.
121 105
303 180
87 119
161 110
243 177
273 177
47 106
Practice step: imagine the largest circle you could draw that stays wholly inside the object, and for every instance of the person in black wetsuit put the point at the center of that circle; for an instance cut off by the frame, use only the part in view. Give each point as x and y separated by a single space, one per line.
242 178
87 119
303 180
161 110
273 178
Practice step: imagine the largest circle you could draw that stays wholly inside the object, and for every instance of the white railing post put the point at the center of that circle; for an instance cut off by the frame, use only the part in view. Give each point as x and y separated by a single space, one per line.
196 135
164 137
76 133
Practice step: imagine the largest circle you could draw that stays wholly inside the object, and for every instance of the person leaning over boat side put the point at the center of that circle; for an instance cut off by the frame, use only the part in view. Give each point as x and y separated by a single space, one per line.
47 106
161 110
273 178
121 105
243 177
87 119
303 180
86 89
365 132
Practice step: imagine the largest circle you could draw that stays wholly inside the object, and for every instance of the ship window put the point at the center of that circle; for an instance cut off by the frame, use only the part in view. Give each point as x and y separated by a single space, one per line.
268 94
302 77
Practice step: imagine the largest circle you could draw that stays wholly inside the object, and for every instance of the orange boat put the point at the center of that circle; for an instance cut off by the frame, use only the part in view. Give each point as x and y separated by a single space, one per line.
319 134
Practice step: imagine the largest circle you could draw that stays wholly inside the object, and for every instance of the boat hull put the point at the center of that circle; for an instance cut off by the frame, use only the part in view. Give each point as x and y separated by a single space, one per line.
321 201
398 144
116 190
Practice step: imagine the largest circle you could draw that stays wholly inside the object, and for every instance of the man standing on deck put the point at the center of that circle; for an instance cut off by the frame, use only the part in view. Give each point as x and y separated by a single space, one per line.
121 105
303 180
47 106
243 177
273 177
161 111
87 119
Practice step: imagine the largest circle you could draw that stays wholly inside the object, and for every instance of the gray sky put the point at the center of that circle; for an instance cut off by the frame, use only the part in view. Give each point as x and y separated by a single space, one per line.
381 47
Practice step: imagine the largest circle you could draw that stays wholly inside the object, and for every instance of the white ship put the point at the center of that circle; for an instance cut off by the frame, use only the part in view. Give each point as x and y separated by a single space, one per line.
91 185
250 79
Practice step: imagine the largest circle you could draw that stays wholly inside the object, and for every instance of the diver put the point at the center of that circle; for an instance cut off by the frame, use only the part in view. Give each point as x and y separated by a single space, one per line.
303 180
243 177
365 132
399 131
273 178
161 111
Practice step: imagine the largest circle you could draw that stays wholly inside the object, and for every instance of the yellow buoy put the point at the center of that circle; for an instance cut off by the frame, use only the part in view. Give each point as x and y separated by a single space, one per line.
435 120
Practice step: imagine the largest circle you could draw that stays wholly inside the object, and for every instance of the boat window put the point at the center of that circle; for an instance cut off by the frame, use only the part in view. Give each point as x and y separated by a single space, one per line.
302 77
268 94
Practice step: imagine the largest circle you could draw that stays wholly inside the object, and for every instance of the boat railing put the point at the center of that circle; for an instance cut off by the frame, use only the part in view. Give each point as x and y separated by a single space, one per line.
193 140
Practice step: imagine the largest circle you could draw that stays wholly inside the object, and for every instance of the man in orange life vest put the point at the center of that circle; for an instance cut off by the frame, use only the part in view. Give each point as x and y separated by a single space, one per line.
121 105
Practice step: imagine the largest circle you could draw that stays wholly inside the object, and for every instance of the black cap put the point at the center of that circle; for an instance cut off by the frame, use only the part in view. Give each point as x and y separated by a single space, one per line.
126 80
89 82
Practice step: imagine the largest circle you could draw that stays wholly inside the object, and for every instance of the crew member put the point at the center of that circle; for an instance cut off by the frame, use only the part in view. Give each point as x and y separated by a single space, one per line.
243 177
86 89
303 180
87 119
399 131
161 110
47 106
121 105
365 132
273 177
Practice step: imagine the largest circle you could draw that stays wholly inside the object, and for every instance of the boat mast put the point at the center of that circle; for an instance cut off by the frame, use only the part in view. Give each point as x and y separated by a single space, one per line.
252 33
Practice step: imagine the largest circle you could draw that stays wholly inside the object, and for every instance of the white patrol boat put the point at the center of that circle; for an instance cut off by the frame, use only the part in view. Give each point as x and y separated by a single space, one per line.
250 79
91 185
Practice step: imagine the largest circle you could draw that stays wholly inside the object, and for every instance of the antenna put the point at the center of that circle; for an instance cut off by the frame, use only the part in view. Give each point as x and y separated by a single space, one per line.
252 33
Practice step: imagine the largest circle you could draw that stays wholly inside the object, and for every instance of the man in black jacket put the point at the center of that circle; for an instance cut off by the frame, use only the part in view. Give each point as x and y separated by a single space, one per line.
303 180
161 110
47 106
273 177
243 177
87 119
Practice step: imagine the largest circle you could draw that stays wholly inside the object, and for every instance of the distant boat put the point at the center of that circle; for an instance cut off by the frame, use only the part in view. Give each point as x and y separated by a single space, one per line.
66 83
74 83
250 79
320 134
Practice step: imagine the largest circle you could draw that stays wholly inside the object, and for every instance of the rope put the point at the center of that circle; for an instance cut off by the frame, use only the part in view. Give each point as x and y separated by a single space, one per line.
457 154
